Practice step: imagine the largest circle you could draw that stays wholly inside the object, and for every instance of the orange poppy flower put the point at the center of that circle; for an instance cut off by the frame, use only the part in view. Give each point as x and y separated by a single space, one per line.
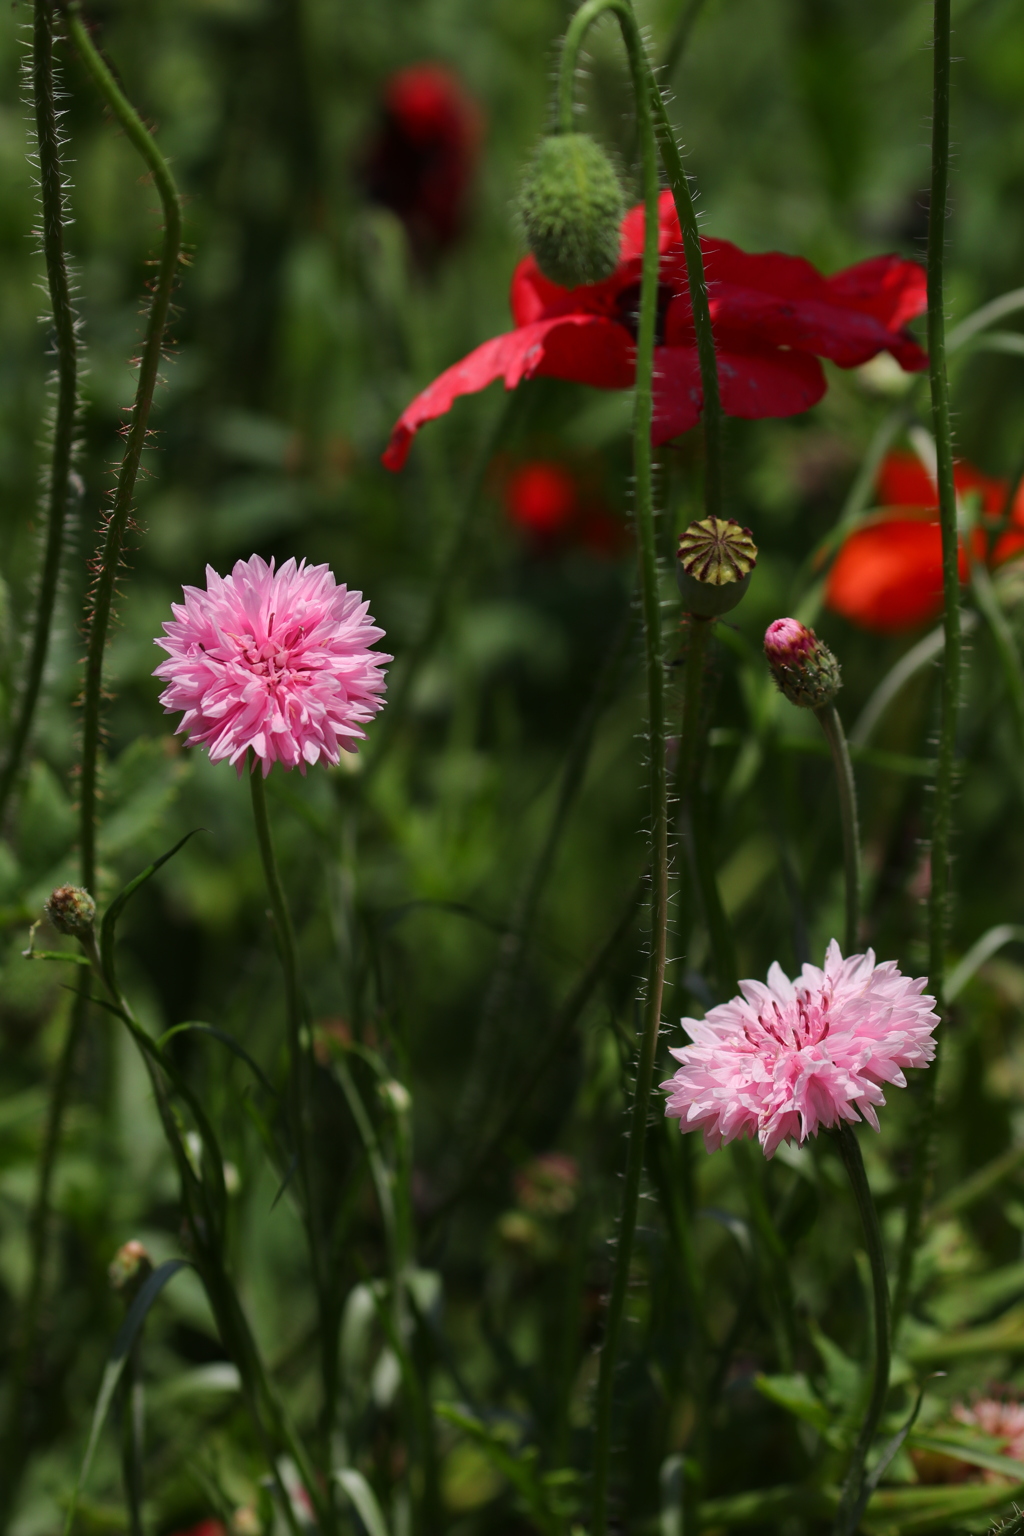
887 576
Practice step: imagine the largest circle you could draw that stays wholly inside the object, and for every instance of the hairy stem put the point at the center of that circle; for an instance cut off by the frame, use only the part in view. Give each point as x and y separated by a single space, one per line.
116 524
51 191
655 670
854 1494
942 817
828 719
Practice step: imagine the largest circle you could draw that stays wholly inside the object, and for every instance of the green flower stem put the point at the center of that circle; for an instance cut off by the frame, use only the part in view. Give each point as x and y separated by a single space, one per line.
51 190
117 521
655 668
299 1082
854 1494
942 815
828 719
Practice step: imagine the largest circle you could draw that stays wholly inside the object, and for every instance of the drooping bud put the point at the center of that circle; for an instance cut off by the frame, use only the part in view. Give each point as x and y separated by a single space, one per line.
803 667
714 563
71 910
129 1269
570 206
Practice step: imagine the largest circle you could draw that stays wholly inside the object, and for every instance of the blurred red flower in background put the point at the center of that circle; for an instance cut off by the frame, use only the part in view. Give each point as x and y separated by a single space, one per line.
887 576
422 159
773 317
547 503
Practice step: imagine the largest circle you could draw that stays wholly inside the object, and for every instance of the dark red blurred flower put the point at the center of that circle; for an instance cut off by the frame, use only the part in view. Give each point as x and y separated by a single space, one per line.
209 1527
773 317
887 576
422 160
545 501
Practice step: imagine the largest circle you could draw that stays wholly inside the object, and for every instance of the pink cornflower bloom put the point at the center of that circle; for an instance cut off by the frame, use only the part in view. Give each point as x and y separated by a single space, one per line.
1002 1419
278 661
787 1058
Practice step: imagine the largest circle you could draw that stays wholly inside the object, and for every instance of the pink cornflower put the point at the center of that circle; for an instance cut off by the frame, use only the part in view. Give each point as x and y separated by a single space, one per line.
278 661
787 1058
1002 1419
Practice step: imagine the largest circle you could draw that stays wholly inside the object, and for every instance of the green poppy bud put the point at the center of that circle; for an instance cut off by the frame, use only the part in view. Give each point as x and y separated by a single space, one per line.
71 910
570 206
714 564
804 669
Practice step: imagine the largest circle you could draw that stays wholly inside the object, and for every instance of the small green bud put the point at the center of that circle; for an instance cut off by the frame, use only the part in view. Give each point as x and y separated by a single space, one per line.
570 206
714 564
71 910
804 669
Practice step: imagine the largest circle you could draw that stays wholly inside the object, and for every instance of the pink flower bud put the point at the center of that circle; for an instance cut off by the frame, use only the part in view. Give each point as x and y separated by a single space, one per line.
803 667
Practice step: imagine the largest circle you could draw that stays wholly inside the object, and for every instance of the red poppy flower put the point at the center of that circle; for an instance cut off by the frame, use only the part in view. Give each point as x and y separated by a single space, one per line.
773 317
887 576
546 502
422 160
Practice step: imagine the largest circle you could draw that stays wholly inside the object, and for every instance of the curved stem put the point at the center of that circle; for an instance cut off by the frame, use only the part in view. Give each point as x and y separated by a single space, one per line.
854 1494
51 189
117 521
828 719
942 818
655 669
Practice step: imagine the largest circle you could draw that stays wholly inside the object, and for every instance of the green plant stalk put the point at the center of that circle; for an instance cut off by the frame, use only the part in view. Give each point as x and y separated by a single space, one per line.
113 540
942 817
655 670
51 191
828 719
39 1222
131 1439
853 1497
299 1088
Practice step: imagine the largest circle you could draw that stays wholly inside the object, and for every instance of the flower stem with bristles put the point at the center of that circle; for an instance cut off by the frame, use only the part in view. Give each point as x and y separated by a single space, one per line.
655 669
828 719
942 818
110 556
854 1494
51 191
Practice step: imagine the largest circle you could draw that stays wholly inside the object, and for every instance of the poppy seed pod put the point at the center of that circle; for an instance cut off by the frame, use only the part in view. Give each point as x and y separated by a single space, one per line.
71 910
714 564
570 206
804 669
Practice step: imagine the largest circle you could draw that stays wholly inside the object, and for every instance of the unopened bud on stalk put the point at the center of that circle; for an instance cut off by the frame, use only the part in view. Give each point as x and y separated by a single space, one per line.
714 563
129 1270
71 910
803 667
570 206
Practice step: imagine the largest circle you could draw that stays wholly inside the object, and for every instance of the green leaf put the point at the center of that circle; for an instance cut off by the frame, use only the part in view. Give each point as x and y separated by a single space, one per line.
120 901
797 1396
364 1500
981 950
116 1361
225 1039
519 1468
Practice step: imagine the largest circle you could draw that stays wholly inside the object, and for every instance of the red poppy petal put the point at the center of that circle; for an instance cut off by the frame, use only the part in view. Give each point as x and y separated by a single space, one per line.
903 481
631 245
754 384
967 479
513 357
888 287
888 576
678 396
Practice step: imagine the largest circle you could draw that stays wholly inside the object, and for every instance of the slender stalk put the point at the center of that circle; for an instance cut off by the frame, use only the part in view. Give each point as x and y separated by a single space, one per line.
117 521
132 1438
854 1494
300 1073
655 670
828 719
942 817
19 1414
51 191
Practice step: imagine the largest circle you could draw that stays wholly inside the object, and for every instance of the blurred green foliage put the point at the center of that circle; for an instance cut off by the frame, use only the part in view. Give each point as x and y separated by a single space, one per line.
452 884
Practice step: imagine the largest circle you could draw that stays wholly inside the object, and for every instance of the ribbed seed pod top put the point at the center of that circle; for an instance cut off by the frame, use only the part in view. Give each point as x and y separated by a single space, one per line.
714 564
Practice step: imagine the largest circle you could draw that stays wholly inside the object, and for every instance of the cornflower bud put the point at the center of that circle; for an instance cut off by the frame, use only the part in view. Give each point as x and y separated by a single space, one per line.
803 667
714 564
71 910
129 1270
570 206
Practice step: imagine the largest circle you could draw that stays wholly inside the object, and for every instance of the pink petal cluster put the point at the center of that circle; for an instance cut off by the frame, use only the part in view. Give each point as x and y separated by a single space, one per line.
278 661
789 1057
1003 1420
